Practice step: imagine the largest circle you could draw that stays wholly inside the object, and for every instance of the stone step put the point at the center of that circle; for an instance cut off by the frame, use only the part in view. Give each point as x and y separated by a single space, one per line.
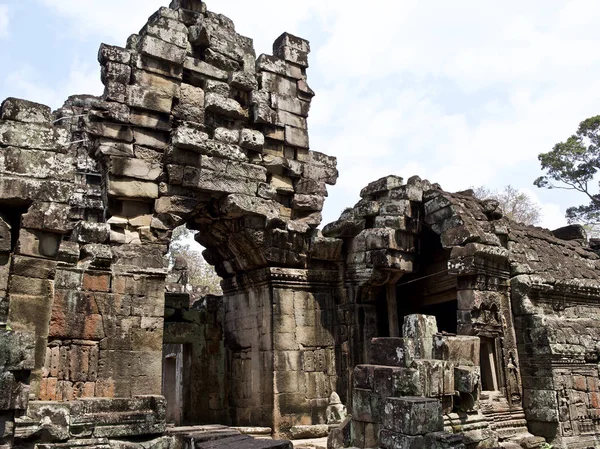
244 442
213 436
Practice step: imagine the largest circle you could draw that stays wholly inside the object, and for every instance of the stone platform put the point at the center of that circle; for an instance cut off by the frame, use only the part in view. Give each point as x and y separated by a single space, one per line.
222 437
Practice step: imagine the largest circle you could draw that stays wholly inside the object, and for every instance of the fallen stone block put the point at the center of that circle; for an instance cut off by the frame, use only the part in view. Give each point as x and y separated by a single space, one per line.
25 111
391 352
421 328
412 415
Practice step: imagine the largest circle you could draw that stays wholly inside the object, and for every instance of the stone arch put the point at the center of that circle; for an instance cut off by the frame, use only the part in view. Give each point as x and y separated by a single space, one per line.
194 129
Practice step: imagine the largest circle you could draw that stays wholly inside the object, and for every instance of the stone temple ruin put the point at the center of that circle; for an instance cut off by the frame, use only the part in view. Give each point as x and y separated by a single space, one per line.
436 321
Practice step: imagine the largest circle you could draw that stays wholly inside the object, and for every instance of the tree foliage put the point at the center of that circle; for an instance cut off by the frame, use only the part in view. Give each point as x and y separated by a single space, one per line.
200 273
573 165
516 205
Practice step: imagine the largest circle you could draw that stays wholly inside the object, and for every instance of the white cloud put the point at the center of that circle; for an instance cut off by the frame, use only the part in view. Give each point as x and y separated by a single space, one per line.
28 83
463 93
467 92
116 19
4 21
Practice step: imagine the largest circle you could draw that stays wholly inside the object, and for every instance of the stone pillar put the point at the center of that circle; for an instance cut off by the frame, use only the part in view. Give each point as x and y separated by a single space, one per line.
280 333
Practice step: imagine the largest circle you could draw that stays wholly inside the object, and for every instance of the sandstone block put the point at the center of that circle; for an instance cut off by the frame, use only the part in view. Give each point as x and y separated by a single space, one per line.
308 202
225 106
282 184
115 72
148 119
153 100
243 170
221 61
323 248
271 64
226 135
156 82
444 440
37 164
135 168
421 328
436 377
158 66
287 119
204 69
461 350
296 137
191 138
114 91
113 54
168 30
292 48
467 379
17 351
108 147
412 415
394 440
320 173
252 140
110 131
41 136
24 111
367 406
148 138
38 244
278 84
152 46
290 104
129 188
392 352
243 81
88 232
240 204
304 91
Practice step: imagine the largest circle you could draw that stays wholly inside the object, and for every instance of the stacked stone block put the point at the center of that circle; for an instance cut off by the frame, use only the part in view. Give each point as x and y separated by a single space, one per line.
382 228
399 398
36 183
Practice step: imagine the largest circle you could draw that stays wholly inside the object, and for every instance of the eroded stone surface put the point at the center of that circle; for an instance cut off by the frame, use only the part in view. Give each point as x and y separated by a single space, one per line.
500 320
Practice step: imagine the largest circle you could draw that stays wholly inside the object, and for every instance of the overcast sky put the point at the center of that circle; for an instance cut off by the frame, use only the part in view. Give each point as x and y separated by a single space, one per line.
463 93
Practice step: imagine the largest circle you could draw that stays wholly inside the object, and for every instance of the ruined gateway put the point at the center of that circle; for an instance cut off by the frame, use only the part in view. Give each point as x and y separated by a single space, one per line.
440 323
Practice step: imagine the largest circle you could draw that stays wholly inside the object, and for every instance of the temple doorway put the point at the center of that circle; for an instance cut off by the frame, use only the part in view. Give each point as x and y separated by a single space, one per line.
172 384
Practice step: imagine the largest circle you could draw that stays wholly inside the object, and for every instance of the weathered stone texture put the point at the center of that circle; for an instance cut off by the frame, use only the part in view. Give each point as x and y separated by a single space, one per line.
500 320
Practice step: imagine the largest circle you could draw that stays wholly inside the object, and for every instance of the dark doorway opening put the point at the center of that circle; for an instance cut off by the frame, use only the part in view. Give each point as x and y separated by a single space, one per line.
489 370
431 290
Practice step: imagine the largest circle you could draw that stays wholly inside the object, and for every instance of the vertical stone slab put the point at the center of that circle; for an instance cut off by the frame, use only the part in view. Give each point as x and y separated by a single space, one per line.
421 328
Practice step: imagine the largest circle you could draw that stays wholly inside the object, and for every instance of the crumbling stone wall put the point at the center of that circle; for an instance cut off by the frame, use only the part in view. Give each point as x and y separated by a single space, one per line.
193 129
386 235
554 289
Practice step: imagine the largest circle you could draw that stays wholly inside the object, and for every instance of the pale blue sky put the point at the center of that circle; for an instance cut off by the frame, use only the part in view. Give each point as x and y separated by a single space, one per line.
464 93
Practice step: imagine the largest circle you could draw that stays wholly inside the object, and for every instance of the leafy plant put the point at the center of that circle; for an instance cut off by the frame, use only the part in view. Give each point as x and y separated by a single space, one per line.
200 273
573 165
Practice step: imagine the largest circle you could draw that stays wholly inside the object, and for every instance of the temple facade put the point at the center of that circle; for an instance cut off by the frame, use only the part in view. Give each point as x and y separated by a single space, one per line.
434 319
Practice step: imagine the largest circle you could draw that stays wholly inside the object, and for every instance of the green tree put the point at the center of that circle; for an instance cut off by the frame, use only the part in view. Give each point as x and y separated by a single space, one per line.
573 165
200 273
516 205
